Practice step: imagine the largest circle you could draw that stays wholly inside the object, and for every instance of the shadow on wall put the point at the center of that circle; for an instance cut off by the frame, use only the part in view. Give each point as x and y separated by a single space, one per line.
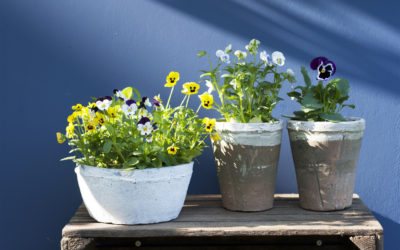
391 230
366 47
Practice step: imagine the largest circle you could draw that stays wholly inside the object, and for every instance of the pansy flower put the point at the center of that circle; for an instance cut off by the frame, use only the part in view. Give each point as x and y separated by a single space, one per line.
157 101
210 86
155 126
100 118
171 79
113 111
240 54
77 107
252 47
72 118
190 88
223 56
149 138
145 102
210 124
206 100
60 137
172 150
129 108
278 58
265 57
103 103
215 137
144 126
325 68
119 94
90 126
70 129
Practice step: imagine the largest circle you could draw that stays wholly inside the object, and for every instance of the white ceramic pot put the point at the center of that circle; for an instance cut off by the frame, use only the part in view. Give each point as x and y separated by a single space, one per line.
134 197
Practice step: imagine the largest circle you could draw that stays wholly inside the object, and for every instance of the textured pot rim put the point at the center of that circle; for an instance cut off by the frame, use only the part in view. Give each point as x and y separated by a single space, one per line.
136 175
352 124
248 127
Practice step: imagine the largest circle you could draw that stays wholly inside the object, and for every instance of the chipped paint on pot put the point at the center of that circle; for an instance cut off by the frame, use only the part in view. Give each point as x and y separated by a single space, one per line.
325 156
139 196
247 160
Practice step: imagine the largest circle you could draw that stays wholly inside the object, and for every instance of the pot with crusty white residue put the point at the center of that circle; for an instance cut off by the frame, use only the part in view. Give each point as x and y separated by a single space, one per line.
247 160
325 156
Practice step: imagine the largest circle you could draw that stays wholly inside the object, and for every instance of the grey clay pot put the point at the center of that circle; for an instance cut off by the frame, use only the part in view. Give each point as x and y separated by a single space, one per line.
325 156
247 159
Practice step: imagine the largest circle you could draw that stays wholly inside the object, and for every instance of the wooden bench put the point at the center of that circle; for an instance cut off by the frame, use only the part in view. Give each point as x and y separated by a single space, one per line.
204 224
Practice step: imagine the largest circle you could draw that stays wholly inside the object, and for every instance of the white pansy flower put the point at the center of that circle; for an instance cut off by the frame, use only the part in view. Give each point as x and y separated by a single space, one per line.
278 58
103 103
119 94
265 57
147 102
129 108
149 139
223 56
240 54
145 129
210 86
228 48
290 72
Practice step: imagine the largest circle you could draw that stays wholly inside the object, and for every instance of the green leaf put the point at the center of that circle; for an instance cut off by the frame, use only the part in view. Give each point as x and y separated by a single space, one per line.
137 94
343 86
307 79
131 162
107 146
255 120
310 103
201 53
68 158
350 106
205 74
294 94
332 117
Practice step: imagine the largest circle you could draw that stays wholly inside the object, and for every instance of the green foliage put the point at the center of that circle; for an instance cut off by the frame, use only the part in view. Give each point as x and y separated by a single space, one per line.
248 89
319 102
118 142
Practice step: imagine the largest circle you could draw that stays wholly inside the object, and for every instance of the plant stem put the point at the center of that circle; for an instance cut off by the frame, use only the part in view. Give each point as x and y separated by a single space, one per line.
170 94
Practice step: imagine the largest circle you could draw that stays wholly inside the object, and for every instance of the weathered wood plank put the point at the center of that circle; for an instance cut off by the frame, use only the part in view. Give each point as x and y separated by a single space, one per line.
204 216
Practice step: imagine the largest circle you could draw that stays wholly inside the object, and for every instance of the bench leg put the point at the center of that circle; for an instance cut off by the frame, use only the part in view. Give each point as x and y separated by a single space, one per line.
372 242
77 243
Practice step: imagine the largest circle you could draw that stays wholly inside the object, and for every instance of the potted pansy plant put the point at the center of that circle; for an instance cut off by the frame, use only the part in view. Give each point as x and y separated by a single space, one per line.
325 145
134 155
248 139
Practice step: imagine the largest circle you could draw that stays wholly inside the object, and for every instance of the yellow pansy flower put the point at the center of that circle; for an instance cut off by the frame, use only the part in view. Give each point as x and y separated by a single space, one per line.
207 100
171 79
72 118
172 150
70 129
77 107
100 118
60 137
190 88
90 126
215 137
113 111
210 123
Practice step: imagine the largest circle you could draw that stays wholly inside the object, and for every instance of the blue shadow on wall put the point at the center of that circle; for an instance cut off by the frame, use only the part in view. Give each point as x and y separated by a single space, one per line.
307 36
391 230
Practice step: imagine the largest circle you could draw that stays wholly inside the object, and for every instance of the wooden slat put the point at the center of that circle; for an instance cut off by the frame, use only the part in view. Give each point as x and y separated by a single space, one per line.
203 215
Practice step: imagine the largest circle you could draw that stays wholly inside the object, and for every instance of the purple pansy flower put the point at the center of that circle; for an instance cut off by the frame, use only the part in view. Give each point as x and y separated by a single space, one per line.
325 67
156 102
129 108
144 126
103 103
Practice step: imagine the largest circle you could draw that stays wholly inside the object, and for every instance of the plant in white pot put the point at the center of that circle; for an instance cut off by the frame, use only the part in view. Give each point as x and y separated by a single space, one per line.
134 155
325 145
247 154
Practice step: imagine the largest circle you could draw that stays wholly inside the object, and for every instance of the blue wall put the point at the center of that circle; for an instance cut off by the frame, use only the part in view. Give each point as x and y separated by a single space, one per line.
54 54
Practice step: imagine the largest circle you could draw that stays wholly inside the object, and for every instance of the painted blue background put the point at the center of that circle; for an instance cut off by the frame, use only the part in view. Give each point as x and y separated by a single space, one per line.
54 54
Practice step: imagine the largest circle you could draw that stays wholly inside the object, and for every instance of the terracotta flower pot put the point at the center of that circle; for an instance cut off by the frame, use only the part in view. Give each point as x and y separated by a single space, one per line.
139 196
247 159
325 156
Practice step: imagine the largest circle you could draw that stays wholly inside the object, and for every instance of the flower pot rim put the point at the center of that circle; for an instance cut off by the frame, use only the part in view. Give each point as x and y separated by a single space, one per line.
352 124
248 127
137 175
